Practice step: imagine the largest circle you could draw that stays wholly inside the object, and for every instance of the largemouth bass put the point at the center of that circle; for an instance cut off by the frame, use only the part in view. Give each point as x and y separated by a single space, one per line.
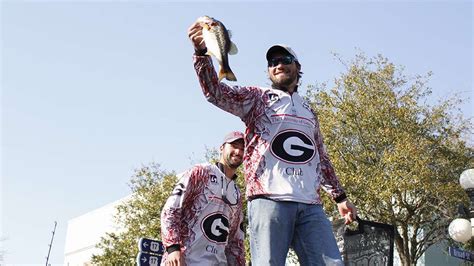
219 45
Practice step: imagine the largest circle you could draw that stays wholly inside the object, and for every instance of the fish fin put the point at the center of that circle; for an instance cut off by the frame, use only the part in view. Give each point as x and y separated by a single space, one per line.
229 32
233 49
221 74
229 75
210 53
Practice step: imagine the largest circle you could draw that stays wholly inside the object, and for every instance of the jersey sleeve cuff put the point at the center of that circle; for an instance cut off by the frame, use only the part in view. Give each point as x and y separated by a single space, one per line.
340 198
200 52
173 248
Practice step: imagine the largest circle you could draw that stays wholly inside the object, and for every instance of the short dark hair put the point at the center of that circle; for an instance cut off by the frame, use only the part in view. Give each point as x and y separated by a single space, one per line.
300 74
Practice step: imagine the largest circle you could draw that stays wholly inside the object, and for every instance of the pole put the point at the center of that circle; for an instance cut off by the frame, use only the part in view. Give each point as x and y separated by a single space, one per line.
470 194
51 243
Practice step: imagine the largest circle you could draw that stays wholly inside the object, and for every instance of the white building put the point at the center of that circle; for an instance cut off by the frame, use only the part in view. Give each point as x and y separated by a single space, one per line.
85 231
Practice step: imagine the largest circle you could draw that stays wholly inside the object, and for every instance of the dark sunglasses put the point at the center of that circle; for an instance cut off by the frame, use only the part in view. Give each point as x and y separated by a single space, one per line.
224 198
285 60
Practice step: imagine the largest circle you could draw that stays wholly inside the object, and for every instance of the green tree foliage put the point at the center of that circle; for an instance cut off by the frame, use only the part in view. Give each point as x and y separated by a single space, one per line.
398 157
137 217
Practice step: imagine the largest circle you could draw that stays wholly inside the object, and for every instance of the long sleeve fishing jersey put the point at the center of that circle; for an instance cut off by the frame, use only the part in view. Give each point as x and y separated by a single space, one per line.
284 156
203 218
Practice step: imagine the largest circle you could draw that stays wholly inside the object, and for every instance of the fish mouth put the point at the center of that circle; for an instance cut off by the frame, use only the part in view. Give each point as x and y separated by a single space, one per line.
208 24
206 20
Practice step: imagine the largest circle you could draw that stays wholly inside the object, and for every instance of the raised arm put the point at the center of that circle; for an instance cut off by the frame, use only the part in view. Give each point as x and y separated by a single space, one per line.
233 99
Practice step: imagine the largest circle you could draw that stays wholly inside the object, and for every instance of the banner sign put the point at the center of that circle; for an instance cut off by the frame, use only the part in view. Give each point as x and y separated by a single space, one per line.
461 254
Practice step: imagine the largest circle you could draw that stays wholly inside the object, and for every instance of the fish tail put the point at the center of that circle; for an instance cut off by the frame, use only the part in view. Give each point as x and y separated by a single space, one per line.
225 71
227 74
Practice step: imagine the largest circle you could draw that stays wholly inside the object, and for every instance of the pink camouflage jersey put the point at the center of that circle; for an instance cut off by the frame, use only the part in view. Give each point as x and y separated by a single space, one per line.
284 157
204 217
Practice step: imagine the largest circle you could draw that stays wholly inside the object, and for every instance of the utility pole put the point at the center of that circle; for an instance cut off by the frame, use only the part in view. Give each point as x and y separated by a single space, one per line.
51 243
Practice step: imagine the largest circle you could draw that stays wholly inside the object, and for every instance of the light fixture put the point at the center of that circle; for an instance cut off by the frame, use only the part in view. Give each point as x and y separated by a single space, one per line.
467 179
460 230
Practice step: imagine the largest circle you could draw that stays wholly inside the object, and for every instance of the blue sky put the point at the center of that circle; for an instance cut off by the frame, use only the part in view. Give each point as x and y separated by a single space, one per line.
91 90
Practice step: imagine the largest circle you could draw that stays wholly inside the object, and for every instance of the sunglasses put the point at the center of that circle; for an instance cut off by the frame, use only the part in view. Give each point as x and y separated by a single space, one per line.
224 198
285 60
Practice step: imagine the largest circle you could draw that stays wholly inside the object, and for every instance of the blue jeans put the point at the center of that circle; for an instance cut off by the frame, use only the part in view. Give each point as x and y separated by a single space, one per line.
275 226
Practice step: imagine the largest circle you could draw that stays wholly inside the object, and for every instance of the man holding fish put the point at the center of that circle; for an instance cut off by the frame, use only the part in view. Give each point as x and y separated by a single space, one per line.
285 161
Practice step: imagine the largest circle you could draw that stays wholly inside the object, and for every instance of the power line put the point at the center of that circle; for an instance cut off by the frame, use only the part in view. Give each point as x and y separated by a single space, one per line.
51 243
